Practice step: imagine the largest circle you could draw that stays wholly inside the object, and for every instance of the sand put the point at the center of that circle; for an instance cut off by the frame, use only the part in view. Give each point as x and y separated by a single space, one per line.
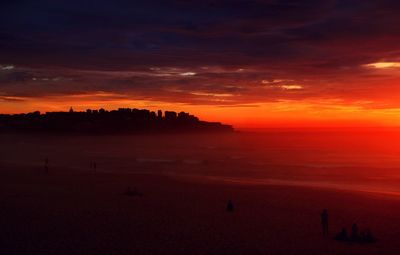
185 185
87 213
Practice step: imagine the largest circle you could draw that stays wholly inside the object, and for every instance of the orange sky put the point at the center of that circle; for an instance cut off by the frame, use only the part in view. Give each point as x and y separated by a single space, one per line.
378 107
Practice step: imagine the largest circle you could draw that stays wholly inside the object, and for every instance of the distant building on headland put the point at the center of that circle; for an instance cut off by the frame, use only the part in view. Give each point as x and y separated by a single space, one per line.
123 120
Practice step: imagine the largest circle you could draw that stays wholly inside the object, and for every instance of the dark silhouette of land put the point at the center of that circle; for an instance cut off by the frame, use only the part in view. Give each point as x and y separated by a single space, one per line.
123 120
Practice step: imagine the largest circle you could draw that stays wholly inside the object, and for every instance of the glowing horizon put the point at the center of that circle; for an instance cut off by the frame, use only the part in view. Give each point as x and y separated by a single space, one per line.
283 113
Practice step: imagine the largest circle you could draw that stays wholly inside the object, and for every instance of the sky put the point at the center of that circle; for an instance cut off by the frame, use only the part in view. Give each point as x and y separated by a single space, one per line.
272 63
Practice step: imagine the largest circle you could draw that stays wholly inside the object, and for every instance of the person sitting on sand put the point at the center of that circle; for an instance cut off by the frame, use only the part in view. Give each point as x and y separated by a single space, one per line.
342 236
324 222
230 207
366 237
369 238
354 232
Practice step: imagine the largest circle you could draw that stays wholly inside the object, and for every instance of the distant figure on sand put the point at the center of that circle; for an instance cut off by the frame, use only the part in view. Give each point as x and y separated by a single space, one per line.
46 166
93 165
230 207
369 238
132 192
324 222
354 232
342 236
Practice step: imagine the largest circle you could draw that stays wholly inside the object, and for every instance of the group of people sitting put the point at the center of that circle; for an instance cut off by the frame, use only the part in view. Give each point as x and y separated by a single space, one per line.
355 235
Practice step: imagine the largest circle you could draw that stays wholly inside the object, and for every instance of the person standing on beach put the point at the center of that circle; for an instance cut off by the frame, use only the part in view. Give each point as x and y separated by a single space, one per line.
230 207
46 166
324 222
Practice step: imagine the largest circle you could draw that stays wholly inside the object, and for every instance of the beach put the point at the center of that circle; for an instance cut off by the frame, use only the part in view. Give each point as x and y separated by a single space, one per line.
81 213
73 209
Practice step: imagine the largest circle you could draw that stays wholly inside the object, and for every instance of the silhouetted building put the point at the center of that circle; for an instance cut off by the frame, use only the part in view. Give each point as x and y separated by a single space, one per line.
170 116
123 120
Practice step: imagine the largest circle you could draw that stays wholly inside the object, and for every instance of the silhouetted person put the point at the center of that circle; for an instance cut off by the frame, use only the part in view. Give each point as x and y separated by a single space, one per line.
230 207
324 222
94 167
342 235
132 192
369 238
46 166
354 232
129 192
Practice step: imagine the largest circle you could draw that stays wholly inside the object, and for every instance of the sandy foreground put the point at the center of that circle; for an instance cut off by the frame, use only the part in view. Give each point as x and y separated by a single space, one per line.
278 197
80 212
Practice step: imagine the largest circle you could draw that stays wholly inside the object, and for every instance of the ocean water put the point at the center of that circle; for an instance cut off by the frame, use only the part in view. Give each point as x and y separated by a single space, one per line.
352 159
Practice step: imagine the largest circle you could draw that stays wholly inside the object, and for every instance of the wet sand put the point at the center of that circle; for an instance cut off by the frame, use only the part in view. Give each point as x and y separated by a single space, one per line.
79 212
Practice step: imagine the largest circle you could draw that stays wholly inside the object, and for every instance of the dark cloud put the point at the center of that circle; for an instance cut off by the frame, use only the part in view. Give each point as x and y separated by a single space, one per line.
144 48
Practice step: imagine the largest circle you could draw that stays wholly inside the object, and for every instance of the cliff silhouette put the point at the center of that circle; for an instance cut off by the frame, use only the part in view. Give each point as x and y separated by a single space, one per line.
123 120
